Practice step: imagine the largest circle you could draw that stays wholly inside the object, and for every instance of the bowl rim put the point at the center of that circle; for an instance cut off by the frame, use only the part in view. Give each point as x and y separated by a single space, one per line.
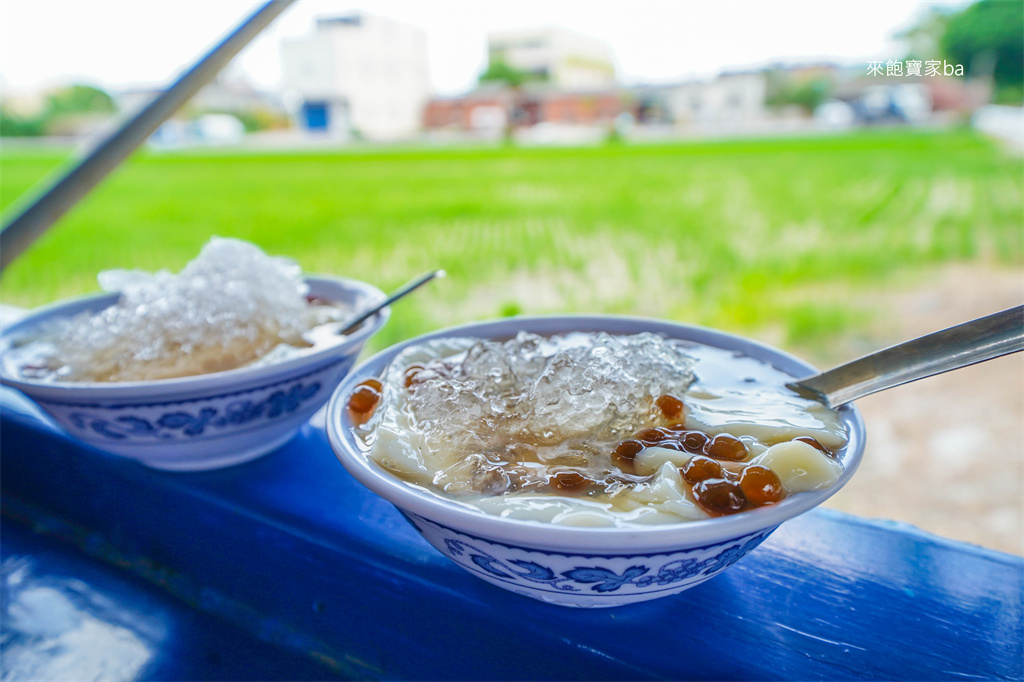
199 383
604 541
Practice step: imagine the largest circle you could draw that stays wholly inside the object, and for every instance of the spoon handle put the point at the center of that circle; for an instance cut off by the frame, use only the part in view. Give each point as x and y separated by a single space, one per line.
406 289
965 344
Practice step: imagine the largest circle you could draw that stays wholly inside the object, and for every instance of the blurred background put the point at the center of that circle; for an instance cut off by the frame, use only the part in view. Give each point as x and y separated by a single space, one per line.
830 178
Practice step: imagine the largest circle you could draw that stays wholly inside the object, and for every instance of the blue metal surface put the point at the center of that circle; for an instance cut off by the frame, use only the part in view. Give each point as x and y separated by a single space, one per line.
293 550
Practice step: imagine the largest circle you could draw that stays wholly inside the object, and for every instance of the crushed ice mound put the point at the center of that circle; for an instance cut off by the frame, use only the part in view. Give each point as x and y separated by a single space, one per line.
544 391
229 306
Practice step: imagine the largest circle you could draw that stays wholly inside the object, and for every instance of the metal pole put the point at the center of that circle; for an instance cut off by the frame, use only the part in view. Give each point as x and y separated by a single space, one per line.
30 224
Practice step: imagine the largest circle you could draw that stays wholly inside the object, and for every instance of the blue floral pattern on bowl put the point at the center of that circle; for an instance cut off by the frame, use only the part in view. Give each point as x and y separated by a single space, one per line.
237 425
581 566
197 421
205 421
586 580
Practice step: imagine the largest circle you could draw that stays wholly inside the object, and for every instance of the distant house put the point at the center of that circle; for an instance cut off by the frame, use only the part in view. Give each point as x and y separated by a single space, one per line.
729 98
587 108
492 109
487 109
572 83
565 60
357 75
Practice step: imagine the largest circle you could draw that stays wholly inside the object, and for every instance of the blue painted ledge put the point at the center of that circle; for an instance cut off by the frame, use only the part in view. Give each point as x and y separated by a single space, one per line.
70 616
292 550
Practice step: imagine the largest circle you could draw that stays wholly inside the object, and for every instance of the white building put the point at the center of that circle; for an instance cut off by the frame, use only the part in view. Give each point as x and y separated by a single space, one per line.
730 98
567 60
357 75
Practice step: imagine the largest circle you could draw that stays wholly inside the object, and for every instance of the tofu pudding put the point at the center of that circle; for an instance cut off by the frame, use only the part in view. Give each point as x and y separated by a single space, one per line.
593 429
232 306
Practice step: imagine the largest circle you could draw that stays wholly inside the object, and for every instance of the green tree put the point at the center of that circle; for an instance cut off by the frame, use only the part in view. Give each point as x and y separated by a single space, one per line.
63 107
80 99
807 93
499 71
13 125
988 39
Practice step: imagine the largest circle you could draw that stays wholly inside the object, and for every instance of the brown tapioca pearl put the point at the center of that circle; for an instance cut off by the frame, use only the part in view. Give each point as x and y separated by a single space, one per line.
724 446
677 426
651 435
694 441
629 449
411 372
814 443
670 406
363 401
701 468
570 481
670 445
718 496
760 485
625 452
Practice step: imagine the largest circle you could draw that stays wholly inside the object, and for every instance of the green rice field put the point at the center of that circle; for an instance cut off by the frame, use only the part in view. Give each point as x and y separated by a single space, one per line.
784 238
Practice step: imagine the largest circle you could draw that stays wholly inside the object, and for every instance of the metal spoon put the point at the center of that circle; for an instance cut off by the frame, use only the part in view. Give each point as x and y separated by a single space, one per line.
965 344
408 288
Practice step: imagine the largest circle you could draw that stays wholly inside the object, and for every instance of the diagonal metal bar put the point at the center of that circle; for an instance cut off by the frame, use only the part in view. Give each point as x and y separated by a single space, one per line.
31 222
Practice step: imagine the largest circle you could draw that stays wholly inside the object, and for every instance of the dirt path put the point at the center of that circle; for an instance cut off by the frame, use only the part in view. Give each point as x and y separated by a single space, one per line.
946 453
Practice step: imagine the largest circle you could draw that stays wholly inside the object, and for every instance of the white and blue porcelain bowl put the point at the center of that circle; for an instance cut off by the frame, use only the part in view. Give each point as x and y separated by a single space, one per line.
577 566
206 421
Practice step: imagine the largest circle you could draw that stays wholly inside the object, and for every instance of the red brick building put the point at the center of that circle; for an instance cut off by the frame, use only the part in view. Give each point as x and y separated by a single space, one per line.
489 108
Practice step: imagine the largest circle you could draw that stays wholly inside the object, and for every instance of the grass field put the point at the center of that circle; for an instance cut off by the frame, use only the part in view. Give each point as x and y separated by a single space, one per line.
785 238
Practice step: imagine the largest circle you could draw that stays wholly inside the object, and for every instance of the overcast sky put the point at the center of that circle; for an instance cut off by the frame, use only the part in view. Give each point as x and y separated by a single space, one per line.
119 43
